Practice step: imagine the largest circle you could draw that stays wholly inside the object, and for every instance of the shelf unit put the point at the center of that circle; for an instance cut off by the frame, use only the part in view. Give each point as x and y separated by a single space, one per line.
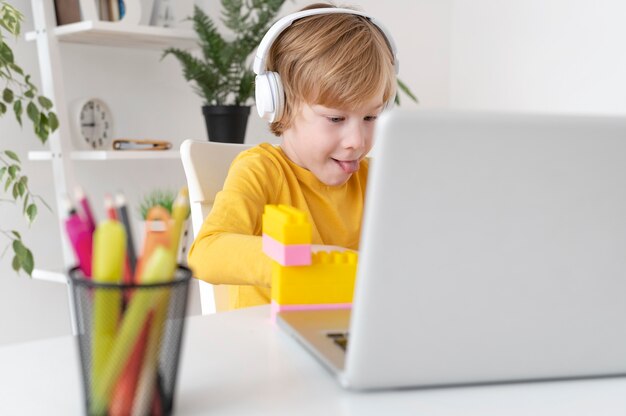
91 155
62 154
120 35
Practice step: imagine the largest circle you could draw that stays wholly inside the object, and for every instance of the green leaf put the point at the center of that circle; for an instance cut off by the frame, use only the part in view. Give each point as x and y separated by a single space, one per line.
16 264
29 94
53 121
25 204
13 169
18 110
19 249
16 234
6 54
44 102
3 108
3 170
23 257
12 155
11 18
28 262
7 95
33 112
31 212
16 190
405 89
16 68
21 188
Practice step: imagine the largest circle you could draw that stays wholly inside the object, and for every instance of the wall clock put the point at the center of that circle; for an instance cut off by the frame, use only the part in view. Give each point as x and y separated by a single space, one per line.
93 124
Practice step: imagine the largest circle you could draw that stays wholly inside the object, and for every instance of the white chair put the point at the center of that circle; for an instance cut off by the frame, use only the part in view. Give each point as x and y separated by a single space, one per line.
206 165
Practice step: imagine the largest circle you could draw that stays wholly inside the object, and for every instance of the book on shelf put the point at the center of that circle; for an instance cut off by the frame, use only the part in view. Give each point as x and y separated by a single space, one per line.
67 11
111 10
114 10
104 10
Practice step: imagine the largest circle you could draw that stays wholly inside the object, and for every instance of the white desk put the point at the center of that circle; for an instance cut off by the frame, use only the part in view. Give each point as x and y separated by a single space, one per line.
240 363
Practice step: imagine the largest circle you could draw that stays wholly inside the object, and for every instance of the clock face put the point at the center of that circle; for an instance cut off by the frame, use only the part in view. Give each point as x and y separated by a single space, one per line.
96 127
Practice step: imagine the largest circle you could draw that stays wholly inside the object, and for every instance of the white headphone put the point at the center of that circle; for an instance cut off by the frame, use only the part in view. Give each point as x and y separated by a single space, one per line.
269 93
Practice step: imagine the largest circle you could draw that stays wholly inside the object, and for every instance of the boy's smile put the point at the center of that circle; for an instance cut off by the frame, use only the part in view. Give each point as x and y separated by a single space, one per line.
331 142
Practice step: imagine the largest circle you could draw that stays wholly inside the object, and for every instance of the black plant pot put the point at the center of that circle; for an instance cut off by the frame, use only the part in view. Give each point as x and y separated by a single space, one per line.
226 123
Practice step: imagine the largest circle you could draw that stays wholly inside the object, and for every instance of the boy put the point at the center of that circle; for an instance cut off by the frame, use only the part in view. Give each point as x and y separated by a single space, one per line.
337 72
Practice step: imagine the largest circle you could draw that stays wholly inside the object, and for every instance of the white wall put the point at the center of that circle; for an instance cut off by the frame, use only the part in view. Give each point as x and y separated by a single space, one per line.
150 99
539 55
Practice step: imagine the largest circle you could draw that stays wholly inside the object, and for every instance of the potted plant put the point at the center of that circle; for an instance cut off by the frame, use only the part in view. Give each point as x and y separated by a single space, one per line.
222 76
18 95
157 197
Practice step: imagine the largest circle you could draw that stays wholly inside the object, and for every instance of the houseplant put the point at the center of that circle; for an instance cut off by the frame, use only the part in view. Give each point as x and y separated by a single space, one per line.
18 95
157 197
222 76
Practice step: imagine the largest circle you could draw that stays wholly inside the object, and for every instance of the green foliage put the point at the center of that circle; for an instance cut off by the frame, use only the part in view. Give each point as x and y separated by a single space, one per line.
158 197
222 75
19 94
405 89
15 184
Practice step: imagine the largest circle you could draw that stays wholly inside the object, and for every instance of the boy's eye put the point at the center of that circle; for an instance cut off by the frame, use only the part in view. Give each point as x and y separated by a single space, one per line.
335 119
370 118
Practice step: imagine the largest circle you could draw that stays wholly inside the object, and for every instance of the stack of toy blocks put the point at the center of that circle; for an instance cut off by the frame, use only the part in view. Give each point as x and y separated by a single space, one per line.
301 279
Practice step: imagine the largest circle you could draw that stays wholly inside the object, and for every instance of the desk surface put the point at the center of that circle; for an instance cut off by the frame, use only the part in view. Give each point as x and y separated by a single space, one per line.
240 363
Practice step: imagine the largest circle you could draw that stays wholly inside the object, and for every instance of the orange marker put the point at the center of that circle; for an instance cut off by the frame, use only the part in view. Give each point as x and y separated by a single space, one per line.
124 392
158 232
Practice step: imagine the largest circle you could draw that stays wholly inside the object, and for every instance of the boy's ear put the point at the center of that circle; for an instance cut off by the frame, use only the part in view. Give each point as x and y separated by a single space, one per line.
269 96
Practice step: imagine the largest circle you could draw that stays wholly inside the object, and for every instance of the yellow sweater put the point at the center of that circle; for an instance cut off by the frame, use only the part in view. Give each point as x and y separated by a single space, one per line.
228 248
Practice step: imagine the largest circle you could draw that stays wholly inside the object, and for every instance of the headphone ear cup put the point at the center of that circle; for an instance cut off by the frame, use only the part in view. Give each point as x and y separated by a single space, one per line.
279 95
269 96
263 96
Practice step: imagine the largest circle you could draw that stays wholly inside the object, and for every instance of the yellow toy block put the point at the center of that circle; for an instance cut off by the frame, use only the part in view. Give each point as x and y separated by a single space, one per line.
287 225
329 279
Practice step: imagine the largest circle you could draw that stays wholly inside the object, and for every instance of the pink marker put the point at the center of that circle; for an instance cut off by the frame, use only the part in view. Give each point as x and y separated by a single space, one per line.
81 199
80 236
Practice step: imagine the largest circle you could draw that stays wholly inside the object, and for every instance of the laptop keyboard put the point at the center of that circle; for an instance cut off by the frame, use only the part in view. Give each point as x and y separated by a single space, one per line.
339 338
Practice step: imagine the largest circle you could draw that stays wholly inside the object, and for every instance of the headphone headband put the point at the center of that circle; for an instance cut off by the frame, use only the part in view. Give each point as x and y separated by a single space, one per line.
262 52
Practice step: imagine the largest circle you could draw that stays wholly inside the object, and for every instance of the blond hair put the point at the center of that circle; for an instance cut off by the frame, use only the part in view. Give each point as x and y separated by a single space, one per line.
335 60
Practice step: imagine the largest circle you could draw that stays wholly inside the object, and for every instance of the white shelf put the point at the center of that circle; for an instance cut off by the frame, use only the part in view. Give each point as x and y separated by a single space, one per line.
110 155
56 276
123 35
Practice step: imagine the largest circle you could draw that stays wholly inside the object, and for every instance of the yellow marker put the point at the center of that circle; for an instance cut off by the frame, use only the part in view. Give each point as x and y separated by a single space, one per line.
159 268
180 212
109 248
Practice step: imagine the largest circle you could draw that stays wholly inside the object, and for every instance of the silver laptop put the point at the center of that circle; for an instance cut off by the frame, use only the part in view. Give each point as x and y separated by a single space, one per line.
493 249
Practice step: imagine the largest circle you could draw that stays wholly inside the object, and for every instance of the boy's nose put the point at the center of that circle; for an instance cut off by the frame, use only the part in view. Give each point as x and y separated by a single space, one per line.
355 139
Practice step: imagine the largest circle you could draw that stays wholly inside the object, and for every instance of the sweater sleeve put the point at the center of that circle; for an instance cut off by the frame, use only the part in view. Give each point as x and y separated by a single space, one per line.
228 248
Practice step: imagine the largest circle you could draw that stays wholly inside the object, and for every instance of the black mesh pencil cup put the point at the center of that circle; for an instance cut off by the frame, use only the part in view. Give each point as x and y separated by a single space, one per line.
129 340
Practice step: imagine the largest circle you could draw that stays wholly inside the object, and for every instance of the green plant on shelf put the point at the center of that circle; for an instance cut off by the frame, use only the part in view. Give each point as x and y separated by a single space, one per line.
20 97
158 197
222 75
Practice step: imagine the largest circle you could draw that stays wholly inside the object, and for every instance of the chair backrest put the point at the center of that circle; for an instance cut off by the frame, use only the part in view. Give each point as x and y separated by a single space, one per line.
206 165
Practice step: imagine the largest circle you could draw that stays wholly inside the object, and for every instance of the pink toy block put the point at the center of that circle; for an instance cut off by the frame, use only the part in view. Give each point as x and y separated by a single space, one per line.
287 254
275 307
